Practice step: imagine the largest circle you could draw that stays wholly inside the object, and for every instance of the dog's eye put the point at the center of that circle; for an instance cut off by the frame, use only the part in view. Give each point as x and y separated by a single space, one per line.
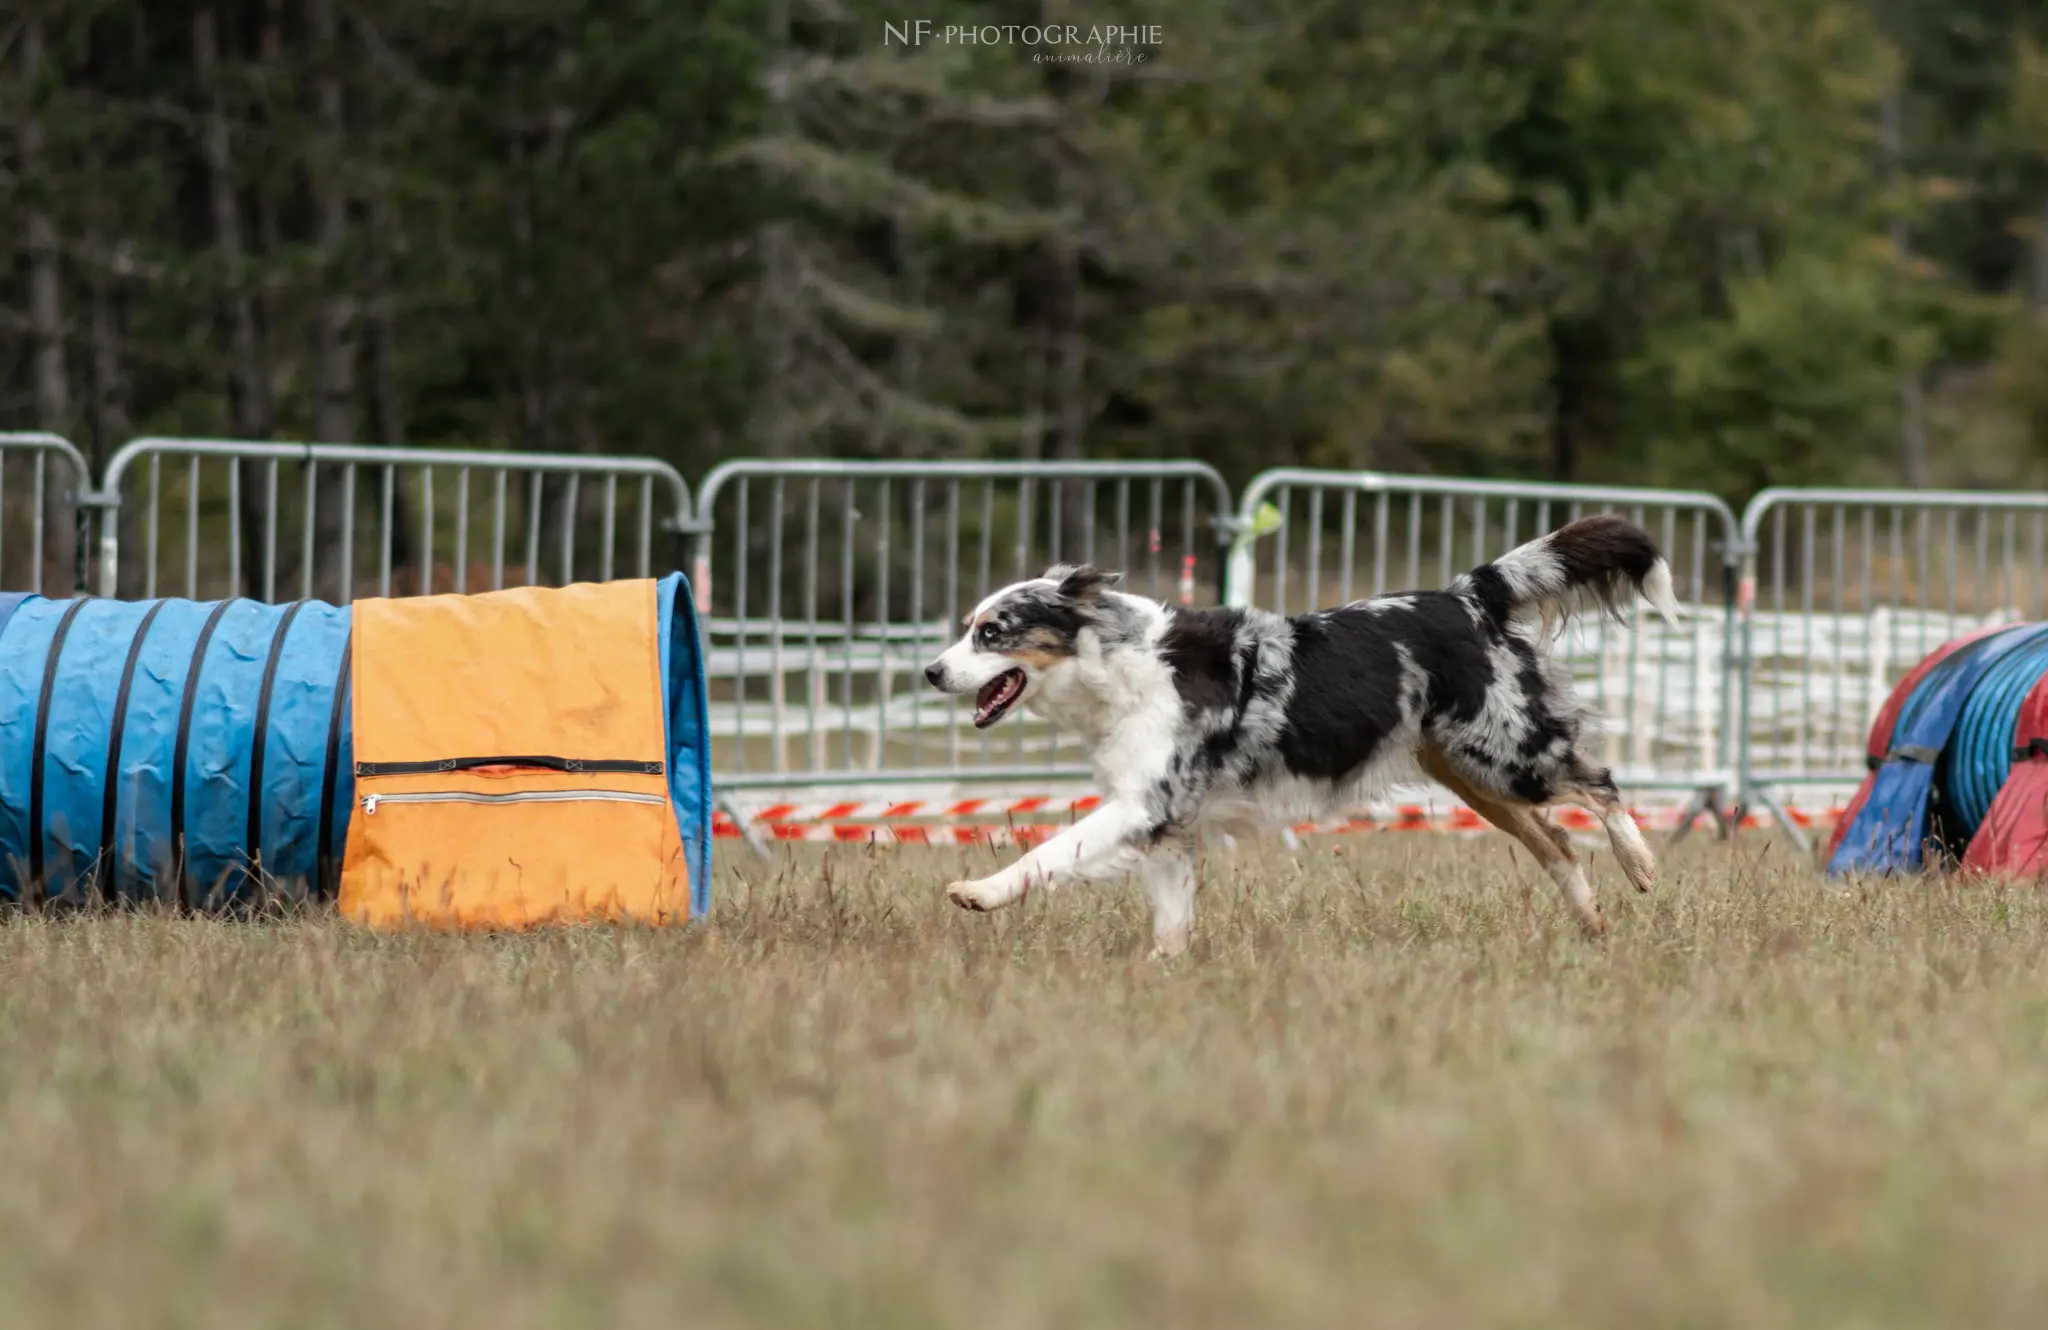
984 635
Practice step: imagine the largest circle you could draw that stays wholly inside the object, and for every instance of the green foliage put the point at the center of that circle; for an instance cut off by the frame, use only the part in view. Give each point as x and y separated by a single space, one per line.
1798 384
1664 240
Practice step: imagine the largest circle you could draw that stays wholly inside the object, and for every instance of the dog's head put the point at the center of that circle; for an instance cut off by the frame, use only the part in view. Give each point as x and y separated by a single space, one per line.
1020 636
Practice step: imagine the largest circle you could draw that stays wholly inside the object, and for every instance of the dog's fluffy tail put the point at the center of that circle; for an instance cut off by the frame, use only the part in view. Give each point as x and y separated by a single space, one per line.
1597 564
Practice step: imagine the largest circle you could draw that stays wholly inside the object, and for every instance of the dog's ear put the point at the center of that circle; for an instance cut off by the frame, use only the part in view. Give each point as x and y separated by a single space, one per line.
1082 582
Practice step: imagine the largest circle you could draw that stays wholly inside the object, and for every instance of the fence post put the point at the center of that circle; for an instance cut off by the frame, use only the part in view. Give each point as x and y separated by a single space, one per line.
105 505
1241 569
1742 664
41 444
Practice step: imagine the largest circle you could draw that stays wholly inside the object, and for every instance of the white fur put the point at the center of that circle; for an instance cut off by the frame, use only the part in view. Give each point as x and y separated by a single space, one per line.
1658 591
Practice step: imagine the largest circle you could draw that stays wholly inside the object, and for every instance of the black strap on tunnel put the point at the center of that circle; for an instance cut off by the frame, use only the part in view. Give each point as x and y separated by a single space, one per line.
110 801
332 773
262 736
33 888
183 746
602 766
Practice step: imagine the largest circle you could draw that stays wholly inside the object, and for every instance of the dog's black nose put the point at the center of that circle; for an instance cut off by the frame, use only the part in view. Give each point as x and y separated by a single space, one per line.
934 674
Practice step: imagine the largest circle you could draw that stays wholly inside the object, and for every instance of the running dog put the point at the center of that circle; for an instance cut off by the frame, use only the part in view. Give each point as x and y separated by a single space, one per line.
1237 719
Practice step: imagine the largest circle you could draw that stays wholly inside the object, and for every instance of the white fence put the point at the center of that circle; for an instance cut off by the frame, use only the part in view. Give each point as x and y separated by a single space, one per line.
42 532
826 588
203 518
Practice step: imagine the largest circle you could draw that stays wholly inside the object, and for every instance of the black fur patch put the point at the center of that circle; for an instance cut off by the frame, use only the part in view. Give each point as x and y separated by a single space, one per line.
1596 549
1492 591
1347 690
1355 677
1200 646
1347 701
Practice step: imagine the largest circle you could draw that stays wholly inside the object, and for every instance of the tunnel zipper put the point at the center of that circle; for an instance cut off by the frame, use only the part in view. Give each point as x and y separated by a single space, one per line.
372 801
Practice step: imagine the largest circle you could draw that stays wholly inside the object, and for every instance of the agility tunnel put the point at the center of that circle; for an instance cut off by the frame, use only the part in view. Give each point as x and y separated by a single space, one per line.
464 761
1955 764
2012 837
1880 739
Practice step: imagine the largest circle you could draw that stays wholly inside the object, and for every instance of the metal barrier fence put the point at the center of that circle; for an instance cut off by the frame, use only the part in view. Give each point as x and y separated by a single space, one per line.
212 517
826 587
1843 591
1664 695
42 528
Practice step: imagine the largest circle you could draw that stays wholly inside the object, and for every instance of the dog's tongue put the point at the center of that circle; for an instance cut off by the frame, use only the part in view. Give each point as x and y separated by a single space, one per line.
994 696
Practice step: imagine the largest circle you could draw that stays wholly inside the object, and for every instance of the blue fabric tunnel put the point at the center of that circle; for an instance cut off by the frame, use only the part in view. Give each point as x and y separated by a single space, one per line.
227 728
238 697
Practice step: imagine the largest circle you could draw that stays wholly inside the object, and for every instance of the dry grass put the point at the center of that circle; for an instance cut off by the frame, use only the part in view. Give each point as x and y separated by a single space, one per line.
1391 1088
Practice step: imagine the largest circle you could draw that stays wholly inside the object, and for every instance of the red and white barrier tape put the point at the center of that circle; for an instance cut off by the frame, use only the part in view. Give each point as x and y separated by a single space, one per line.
831 822
956 809
882 833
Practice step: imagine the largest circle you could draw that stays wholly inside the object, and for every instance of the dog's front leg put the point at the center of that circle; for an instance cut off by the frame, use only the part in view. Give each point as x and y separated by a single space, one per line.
1099 845
1170 885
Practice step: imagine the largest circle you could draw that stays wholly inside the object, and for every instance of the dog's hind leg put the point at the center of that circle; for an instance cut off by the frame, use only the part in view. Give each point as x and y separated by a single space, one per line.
1552 846
1593 789
1630 849
1549 843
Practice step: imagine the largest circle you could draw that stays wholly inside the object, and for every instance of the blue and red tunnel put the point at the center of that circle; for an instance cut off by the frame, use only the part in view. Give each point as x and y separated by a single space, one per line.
1959 763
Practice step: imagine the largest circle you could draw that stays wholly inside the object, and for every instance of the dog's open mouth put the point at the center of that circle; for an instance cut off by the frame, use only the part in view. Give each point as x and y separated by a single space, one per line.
996 696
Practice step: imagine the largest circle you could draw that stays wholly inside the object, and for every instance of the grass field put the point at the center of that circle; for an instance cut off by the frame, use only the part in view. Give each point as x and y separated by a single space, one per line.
1390 1087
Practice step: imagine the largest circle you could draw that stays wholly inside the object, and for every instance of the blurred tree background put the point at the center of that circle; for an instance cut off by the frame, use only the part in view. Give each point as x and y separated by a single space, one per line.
1684 242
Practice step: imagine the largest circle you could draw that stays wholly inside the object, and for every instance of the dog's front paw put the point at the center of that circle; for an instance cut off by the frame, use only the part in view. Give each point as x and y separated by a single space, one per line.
972 896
